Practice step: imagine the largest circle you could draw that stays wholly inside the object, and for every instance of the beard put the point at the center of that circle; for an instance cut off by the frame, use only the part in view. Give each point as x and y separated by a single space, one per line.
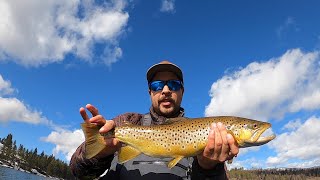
168 108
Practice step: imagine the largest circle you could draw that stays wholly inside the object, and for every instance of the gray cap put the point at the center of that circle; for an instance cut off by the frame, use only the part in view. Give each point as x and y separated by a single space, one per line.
164 66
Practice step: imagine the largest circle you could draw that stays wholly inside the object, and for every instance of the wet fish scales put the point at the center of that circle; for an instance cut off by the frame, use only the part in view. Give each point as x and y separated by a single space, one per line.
183 137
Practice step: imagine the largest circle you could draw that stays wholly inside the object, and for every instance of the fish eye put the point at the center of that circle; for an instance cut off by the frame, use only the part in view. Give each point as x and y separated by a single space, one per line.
255 125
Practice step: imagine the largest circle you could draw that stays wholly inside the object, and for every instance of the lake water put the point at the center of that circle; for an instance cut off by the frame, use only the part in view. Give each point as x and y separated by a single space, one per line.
9 173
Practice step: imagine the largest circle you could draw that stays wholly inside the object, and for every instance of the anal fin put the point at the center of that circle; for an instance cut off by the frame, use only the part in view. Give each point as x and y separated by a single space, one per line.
127 153
174 161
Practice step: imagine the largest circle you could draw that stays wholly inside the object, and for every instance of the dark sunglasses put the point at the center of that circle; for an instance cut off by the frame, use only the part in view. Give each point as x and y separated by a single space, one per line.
174 85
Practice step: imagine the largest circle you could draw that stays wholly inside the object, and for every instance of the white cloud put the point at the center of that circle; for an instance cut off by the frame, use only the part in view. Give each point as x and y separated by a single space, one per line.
269 89
5 87
303 164
13 109
300 145
66 142
111 55
309 101
167 6
38 32
250 163
292 125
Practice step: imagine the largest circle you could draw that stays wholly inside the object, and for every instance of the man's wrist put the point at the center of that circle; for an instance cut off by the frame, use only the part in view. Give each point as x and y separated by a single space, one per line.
206 163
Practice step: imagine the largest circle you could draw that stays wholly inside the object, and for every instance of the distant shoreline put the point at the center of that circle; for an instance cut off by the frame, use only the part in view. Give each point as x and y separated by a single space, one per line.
33 171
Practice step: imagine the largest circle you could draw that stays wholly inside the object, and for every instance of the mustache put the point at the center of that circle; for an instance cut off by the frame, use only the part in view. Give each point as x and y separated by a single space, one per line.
166 99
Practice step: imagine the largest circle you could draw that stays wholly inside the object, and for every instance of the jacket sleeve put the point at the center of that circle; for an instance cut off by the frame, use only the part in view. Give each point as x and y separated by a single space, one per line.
218 173
91 168
83 168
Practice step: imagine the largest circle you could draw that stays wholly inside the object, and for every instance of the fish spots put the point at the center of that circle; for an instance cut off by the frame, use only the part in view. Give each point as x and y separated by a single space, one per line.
181 136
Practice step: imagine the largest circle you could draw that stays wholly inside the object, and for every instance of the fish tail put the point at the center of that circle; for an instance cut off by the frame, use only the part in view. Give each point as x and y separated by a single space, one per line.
93 140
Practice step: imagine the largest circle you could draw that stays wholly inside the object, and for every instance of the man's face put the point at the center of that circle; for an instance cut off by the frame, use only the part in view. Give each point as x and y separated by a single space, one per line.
166 102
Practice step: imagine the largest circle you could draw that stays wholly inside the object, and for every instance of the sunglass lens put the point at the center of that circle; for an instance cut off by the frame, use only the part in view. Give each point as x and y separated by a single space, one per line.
157 85
174 85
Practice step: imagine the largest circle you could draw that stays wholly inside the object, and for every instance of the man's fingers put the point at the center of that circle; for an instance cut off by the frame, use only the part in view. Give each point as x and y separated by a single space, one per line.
234 149
107 126
94 111
209 149
98 120
84 115
225 146
217 143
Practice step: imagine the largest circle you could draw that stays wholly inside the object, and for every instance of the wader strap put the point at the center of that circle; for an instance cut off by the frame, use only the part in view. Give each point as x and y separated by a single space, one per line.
146 119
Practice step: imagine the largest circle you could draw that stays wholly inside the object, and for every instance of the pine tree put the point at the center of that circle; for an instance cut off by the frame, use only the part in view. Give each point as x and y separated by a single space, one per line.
7 147
21 151
29 159
14 150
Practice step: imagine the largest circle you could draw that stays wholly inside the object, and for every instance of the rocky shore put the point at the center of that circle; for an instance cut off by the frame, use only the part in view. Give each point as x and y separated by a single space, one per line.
15 165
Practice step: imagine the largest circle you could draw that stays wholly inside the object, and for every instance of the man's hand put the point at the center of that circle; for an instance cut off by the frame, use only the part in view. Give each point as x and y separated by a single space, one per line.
112 144
221 146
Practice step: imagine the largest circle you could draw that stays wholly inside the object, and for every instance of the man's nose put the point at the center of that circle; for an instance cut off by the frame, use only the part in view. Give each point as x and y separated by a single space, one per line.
166 90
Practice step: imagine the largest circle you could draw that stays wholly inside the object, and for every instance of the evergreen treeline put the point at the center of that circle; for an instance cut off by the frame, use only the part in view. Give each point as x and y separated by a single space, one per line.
276 174
20 157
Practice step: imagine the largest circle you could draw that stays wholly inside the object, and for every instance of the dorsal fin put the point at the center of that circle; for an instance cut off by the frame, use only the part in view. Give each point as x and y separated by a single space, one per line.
174 120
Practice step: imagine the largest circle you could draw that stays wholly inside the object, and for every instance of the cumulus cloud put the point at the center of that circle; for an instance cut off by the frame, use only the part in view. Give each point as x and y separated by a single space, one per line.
13 109
270 89
301 145
250 163
167 6
66 142
39 32
292 125
5 87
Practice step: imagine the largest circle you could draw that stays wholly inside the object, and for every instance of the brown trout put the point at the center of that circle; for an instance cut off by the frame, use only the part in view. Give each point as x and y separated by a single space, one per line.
177 138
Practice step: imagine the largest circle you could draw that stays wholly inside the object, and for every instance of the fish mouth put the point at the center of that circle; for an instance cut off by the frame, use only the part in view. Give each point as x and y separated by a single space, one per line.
257 139
264 140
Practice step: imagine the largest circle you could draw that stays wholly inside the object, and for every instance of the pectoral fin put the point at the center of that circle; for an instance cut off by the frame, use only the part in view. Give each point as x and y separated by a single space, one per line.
127 153
174 161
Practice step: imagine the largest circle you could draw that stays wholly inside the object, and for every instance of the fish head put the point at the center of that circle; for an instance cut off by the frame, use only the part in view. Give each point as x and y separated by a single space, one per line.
248 132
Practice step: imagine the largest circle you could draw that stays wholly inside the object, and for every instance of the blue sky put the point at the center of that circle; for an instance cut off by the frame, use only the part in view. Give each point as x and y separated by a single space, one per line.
253 59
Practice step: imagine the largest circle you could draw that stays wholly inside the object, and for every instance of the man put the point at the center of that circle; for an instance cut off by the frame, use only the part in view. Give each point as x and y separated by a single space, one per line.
166 90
